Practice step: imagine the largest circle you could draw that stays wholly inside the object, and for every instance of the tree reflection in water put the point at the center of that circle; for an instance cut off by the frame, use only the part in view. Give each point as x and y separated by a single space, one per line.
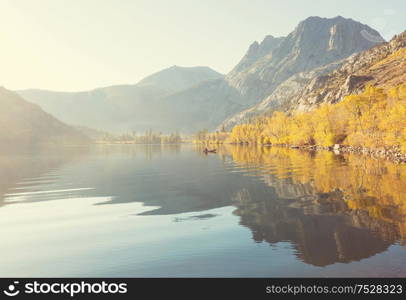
333 208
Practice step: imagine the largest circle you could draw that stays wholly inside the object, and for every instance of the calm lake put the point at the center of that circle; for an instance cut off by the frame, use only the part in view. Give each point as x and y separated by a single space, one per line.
159 211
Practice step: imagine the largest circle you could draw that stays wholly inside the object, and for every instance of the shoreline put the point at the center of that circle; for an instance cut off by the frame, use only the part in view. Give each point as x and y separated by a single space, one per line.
392 154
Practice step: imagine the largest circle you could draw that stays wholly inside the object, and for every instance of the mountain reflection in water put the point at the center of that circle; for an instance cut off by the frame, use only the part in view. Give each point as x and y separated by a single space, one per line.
333 208
329 208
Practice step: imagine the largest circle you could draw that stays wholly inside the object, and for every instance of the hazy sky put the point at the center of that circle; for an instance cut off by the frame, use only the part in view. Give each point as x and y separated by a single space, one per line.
83 44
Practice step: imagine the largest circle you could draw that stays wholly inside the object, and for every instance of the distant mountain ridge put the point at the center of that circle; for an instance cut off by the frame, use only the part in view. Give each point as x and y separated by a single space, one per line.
382 65
122 107
176 78
316 46
190 99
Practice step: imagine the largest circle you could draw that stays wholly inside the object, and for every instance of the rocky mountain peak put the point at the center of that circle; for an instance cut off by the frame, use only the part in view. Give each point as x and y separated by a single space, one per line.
329 84
256 51
318 41
315 42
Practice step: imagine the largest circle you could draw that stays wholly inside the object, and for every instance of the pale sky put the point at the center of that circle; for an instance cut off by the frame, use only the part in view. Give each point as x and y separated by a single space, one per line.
72 45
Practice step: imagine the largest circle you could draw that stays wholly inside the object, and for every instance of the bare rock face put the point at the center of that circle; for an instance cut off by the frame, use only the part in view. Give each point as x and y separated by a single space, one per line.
383 65
255 52
353 82
282 98
315 42
301 60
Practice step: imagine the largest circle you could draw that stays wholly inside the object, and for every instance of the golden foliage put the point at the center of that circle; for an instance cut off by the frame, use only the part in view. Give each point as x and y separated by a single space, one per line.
374 118
205 137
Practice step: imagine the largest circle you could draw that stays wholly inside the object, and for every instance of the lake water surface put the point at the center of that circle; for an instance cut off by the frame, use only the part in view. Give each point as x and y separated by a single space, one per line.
159 211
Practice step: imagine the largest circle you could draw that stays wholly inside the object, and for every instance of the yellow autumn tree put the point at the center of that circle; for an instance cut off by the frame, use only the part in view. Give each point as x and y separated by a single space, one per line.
374 118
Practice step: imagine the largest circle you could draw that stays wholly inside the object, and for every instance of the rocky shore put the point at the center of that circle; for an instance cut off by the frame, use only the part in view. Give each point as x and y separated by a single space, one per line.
391 153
